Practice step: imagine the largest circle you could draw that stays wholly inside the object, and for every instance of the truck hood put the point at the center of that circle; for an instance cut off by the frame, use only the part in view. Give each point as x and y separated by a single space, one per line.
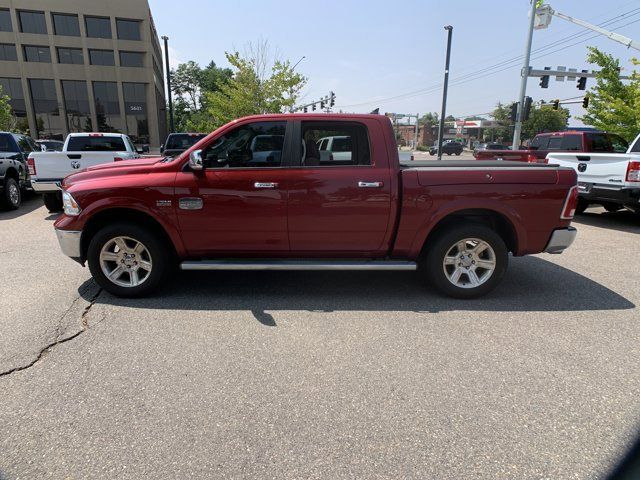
138 165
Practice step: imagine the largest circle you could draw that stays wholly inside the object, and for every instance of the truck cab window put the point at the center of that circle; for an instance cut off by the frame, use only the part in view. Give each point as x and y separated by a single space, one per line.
330 144
555 143
572 143
540 143
619 144
253 145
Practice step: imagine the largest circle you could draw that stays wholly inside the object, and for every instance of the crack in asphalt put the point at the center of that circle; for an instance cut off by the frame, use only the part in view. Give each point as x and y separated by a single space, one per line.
58 341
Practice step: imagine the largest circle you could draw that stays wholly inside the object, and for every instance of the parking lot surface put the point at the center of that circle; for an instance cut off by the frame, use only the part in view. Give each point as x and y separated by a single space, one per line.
319 375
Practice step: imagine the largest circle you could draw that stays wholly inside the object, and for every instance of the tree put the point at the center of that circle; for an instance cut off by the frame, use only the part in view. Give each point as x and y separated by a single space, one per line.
501 115
261 83
430 118
613 106
449 118
544 119
6 113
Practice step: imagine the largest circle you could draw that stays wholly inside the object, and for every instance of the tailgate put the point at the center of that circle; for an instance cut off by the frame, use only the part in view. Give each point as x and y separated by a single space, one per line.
57 165
595 168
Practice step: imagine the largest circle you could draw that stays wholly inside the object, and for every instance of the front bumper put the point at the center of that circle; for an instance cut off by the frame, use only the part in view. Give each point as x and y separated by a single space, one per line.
70 243
561 239
46 186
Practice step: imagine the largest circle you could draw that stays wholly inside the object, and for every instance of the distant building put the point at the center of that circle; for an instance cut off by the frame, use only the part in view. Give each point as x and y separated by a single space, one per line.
426 136
83 65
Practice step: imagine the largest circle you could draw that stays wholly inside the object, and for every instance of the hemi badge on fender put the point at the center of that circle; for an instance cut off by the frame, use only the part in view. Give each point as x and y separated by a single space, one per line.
163 203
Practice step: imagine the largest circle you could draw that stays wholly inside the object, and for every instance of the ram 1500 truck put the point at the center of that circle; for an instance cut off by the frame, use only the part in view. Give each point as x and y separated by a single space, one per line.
608 179
568 141
80 150
216 207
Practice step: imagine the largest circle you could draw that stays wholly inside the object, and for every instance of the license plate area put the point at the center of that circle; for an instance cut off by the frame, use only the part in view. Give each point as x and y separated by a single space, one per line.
584 187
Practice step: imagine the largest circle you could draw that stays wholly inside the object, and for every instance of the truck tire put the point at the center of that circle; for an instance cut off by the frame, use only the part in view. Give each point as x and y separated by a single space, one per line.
53 201
612 207
582 206
11 194
465 261
128 260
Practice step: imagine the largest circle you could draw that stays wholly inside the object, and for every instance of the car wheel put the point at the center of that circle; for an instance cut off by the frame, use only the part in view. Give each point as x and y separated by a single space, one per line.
465 261
12 197
612 207
582 206
53 201
127 260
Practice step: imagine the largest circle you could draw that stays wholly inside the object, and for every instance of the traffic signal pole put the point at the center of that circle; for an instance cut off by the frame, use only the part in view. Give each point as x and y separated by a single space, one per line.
525 76
449 29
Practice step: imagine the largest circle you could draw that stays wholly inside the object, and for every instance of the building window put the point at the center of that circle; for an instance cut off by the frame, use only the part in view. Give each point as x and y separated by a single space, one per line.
98 27
5 21
12 87
8 52
76 104
107 105
45 108
101 57
128 29
64 24
37 54
70 55
135 104
32 22
131 59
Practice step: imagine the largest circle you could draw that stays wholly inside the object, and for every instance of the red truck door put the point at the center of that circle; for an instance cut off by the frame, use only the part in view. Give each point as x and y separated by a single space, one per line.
340 192
238 202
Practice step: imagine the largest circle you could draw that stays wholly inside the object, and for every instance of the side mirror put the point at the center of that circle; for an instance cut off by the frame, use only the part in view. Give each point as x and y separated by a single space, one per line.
195 160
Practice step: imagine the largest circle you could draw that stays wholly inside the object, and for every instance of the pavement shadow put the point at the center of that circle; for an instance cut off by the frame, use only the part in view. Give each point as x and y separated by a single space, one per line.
531 284
30 202
622 221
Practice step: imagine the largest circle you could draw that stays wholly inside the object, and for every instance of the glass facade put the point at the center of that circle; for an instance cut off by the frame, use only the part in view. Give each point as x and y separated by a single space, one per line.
105 95
8 52
49 123
98 27
70 55
102 57
135 105
64 24
5 20
132 59
128 29
76 105
32 22
34 53
12 87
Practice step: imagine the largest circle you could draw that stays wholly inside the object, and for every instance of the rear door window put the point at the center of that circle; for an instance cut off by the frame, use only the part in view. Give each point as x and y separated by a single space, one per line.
96 144
347 144
572 143
600 143
555 143
618 143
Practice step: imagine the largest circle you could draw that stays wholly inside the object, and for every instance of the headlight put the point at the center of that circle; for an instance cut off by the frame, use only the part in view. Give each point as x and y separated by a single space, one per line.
71 207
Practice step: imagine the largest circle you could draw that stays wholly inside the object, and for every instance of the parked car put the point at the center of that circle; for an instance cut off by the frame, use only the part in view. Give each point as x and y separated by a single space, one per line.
211 209
50 145
336 148
14 174
448 148
80 150
569 141
608 179
488 146
177 143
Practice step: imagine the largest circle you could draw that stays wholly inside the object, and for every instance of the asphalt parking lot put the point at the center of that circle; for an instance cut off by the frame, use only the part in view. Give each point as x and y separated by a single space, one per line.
319 375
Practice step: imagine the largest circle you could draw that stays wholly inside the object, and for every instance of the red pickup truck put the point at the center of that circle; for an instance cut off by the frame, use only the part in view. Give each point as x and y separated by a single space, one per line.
263 192
556 142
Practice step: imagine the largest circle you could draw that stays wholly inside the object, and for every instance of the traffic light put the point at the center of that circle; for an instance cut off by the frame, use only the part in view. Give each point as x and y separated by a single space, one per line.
527 108
514 111
556 104
332 101
585 101
544 80
313 107
305 109
582 82
321 104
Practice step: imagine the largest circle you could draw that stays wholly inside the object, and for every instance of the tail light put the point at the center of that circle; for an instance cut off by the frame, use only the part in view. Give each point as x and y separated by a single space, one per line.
31 165
118 159
633 172
531 158
570 204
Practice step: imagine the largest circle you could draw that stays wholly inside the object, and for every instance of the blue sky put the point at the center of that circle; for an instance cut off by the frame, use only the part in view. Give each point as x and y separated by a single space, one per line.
368 51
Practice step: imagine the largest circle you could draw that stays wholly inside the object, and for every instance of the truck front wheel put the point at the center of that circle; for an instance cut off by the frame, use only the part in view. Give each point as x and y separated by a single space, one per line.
465 261
127 260
53 201
11 195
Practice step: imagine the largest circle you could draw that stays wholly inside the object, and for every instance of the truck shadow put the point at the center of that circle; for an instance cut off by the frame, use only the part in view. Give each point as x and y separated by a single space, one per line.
30 202
623 221
531 284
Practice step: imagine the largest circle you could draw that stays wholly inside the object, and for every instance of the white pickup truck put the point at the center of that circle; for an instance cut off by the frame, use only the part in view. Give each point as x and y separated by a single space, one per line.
608 179
80 150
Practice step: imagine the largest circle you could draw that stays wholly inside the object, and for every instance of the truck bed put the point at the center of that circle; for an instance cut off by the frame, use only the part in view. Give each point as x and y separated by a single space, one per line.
471 164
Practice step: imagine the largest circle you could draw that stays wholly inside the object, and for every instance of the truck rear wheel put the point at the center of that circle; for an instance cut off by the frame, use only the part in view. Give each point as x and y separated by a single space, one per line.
53 201
465 261
127 260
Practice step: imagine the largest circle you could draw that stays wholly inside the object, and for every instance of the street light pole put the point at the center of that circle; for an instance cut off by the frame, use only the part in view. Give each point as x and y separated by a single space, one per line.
291 109
449 29
525 76
166 61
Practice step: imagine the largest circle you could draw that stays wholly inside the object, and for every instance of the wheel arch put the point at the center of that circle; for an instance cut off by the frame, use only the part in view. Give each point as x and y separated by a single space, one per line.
11 172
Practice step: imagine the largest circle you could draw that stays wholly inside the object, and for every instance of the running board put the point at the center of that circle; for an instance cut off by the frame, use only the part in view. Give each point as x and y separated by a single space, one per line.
275 264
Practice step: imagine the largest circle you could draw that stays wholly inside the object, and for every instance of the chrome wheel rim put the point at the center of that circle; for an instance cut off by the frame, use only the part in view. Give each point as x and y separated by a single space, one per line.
125 262
14 194
469 263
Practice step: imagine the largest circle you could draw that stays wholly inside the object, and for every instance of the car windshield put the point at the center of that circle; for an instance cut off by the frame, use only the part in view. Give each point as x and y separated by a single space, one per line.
96 144
183 141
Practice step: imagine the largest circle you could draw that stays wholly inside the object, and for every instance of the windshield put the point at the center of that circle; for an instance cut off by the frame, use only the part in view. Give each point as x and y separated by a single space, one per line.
183 141
96 144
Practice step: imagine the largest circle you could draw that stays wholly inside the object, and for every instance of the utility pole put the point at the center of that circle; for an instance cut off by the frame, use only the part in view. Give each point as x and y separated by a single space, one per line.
172 127
415 142
525 76
449 30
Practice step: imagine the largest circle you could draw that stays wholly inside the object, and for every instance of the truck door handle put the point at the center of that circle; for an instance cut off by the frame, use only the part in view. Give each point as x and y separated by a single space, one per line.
370 184
74 156
583 158
265 185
